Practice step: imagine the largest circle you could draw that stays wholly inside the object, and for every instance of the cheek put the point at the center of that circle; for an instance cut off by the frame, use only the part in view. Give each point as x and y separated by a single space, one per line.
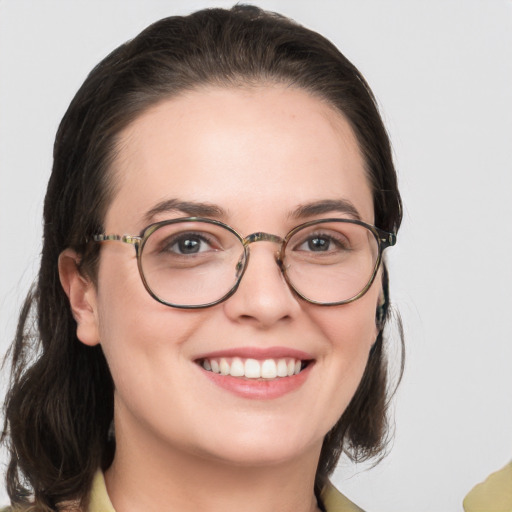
139 336
134 328
350 327
350 332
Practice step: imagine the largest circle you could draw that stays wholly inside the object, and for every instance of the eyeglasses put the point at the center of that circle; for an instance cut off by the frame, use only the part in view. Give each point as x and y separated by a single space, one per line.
196 262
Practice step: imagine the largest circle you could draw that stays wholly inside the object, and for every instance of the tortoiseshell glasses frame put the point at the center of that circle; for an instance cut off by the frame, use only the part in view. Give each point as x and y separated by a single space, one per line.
183 262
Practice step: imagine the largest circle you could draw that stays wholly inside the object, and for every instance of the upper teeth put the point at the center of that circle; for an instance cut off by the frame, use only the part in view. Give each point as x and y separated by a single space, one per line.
252 368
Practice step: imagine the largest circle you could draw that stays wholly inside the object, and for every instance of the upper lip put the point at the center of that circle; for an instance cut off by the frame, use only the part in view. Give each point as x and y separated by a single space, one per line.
259 353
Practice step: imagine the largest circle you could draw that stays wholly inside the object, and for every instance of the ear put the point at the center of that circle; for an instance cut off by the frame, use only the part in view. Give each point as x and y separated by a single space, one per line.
81 293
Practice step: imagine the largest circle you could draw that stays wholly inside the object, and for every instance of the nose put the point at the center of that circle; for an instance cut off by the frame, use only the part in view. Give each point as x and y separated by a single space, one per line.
263 297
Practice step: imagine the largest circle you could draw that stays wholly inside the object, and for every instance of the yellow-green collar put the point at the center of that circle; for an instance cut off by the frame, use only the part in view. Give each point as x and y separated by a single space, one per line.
333 500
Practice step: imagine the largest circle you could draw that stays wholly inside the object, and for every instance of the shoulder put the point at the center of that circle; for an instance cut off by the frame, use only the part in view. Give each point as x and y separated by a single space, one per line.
334 501
99 500
494 494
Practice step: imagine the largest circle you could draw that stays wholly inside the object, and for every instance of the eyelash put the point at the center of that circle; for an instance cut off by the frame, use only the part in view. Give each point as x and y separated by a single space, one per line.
337 240
170 242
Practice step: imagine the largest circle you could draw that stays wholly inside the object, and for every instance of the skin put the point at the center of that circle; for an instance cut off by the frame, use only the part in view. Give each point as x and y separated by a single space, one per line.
184 443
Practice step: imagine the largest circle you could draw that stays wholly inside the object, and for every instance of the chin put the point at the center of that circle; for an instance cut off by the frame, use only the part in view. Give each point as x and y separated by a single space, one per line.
262 448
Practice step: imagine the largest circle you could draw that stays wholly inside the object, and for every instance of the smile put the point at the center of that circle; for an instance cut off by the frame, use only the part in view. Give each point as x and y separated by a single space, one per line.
250 368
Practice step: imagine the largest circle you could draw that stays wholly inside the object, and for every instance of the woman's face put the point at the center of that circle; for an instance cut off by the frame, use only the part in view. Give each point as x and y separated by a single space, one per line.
256 155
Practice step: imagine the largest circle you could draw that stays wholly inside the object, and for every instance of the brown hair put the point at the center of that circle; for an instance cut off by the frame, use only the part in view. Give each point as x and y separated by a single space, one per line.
60 403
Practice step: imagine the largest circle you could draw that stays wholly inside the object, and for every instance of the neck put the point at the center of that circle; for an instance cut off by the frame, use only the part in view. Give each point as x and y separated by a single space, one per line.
145 477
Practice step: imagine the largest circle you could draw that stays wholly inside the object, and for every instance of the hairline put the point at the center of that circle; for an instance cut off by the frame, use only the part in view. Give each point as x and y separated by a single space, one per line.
112 178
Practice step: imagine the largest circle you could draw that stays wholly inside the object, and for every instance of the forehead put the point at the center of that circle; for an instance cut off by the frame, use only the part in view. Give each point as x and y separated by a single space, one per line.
266 149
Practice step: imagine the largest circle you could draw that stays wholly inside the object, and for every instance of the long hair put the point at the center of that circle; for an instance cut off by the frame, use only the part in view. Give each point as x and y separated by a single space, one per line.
59 406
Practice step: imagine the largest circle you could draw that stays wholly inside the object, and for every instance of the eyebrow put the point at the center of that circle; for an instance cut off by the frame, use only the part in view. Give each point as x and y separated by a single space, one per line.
326 206
190 208
200 209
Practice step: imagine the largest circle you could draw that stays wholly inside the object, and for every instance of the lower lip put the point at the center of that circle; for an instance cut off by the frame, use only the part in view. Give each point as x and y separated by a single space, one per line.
259 389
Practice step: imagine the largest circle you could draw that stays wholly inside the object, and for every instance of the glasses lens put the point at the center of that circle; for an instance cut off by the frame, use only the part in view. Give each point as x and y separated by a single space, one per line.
331 262
191 263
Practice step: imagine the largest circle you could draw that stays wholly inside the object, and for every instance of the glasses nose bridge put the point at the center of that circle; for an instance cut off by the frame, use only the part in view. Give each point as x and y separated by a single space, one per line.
261 236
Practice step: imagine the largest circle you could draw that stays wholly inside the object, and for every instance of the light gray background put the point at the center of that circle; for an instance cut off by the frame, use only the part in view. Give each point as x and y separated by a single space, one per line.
442 71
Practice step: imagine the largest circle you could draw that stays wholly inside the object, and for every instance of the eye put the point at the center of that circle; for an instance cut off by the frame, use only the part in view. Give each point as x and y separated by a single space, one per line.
316 243
322 242
187 243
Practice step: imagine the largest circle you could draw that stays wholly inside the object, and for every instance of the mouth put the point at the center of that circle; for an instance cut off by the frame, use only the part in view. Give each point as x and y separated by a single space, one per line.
254 369
257 373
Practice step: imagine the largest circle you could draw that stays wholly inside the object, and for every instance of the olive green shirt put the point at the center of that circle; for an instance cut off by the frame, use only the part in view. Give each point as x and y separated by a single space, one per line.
493 495
333 500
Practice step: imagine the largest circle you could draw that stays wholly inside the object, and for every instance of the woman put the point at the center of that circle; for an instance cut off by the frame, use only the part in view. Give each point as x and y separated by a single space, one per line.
182 373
